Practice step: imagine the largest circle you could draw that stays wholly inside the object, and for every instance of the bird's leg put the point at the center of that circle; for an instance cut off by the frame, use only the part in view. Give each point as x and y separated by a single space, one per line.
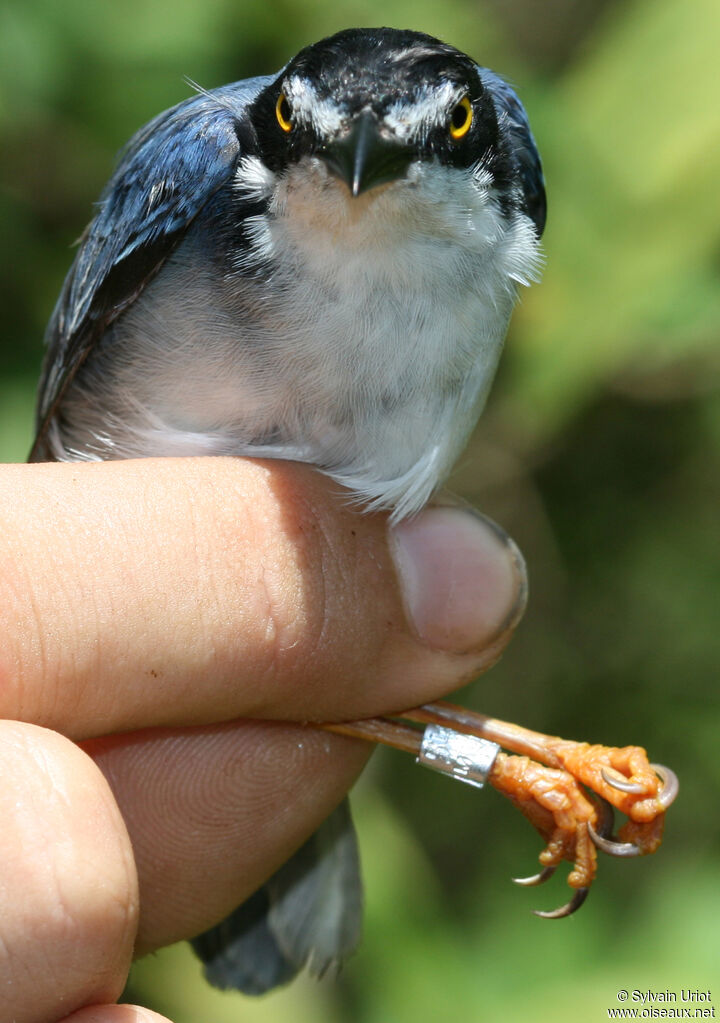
622 776
548 781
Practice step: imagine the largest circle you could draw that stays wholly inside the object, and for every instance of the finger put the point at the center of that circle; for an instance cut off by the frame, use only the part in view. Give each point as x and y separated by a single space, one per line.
68 898
115 1014
175 592
213 812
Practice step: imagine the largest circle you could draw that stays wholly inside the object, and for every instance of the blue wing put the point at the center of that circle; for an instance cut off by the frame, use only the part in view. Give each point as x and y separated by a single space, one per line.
165 176
514 121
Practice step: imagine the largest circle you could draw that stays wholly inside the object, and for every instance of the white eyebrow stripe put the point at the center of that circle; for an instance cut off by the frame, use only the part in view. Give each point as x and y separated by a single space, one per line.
323 115
430 109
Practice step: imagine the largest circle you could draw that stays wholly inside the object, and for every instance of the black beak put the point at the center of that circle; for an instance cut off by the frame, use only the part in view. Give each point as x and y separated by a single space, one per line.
364 159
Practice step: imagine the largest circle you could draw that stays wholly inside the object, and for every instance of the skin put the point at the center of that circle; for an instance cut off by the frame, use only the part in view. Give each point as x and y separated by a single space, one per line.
168 627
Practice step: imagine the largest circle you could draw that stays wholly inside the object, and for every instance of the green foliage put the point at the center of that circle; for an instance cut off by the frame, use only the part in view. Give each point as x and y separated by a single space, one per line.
632 142
599 452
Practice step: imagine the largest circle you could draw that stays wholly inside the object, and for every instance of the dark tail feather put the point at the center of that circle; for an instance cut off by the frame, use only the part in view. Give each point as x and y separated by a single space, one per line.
308 913
241 952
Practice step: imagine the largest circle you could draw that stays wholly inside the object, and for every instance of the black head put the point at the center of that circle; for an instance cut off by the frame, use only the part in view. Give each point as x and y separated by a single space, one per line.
369 102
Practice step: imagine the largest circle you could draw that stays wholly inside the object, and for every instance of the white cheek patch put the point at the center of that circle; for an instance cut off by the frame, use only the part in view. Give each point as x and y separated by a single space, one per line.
307 108
430 109
253 180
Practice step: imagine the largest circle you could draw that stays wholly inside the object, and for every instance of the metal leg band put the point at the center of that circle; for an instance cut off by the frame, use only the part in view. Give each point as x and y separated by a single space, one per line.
465 757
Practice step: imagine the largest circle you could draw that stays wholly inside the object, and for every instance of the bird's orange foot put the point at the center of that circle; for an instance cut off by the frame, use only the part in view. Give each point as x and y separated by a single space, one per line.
574 823
628 781
566 789
561 811
622 776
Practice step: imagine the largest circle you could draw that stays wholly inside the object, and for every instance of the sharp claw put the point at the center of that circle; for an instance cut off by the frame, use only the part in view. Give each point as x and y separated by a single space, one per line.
611 846
670 787
567 910
606 818
545 874
622 784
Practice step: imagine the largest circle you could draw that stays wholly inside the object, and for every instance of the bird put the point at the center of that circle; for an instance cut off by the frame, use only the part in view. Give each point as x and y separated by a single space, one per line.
318 265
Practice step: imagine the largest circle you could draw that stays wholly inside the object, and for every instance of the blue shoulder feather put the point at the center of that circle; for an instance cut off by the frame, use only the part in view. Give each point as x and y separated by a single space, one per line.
165 175
514 120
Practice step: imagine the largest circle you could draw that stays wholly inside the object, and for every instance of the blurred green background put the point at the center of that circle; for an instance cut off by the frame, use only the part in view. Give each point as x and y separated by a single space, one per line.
598 452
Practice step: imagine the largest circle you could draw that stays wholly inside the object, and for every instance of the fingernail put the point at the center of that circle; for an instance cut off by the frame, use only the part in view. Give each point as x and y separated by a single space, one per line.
462 578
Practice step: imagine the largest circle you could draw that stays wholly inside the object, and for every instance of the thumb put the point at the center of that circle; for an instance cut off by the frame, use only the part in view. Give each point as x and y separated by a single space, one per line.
175 592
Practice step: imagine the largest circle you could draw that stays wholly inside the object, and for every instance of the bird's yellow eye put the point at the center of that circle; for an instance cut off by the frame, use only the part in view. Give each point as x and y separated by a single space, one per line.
460 119
283 113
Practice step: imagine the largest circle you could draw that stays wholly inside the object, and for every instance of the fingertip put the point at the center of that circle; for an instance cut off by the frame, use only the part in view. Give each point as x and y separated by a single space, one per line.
115 1014
463 580
69 898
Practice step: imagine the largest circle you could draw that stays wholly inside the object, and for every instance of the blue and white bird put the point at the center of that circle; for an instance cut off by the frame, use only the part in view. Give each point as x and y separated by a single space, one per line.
317 265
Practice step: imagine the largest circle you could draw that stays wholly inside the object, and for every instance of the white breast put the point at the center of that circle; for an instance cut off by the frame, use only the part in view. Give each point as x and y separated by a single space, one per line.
368 350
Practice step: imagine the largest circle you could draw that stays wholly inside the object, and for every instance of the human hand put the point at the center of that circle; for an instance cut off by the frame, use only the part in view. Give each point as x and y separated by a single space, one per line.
171 617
